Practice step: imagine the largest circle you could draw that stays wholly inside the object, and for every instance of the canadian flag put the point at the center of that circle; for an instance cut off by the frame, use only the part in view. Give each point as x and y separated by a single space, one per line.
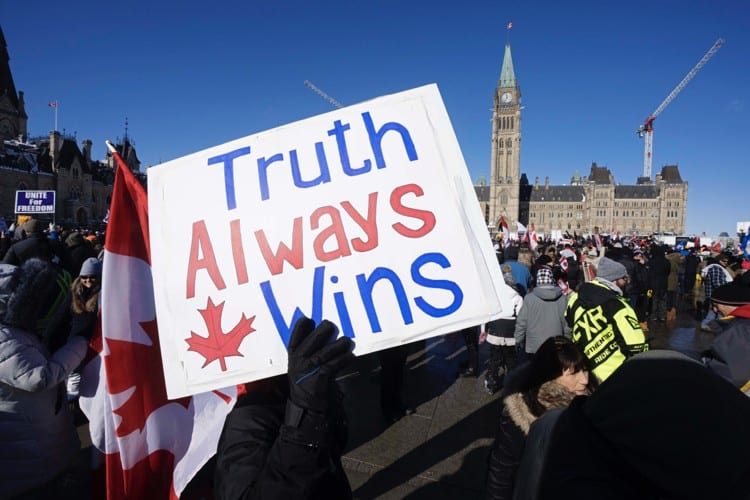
598 243
506 231
152 446
533 241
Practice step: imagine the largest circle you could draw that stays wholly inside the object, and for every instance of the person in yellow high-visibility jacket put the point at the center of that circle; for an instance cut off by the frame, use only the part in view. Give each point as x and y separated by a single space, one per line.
603 323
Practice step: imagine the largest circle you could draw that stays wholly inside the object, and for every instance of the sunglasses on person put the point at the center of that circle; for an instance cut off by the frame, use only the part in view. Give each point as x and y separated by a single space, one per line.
88 278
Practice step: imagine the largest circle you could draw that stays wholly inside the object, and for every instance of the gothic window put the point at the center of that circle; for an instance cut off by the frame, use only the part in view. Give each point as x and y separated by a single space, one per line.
512 122
504 198
508 143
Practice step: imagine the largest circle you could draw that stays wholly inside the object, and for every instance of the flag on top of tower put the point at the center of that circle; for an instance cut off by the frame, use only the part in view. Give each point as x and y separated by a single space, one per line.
510 25
53 104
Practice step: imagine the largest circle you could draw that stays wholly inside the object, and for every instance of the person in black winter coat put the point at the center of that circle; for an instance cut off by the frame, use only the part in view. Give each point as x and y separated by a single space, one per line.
640 282
284 438
659 274
621 255
5 243
661 427
36 245
78 250
692 261
554 376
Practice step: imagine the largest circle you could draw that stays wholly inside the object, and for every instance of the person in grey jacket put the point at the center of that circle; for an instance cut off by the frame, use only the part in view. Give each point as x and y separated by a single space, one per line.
543 313
37 436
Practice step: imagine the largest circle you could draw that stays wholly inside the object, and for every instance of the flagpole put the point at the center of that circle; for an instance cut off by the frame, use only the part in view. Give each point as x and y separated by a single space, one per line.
57 105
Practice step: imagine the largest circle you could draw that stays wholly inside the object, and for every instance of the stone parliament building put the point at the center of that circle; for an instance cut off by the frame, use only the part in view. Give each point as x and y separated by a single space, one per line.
586 205
56 162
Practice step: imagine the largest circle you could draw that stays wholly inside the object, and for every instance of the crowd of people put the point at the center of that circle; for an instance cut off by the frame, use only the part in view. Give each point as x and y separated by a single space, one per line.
588 411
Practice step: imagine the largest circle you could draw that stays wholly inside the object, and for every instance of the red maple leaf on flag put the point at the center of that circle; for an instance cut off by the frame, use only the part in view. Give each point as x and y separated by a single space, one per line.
219 345
149 390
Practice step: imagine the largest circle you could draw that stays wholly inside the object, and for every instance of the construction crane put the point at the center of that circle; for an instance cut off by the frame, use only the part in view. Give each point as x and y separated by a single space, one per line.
646 131
322 94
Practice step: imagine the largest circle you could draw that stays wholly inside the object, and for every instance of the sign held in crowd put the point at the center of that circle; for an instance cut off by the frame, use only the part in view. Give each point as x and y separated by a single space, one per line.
365 216
35 202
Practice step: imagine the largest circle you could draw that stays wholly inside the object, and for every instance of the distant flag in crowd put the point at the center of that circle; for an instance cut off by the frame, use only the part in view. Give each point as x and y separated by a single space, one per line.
745 246
502 226
716 248
598 243
533 241
152 446
521 229
564 263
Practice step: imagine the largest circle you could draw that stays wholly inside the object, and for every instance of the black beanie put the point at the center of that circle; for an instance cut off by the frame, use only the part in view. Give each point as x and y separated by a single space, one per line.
736 293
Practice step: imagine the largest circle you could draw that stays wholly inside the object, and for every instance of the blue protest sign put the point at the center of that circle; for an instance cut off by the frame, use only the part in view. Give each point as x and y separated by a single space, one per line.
35 202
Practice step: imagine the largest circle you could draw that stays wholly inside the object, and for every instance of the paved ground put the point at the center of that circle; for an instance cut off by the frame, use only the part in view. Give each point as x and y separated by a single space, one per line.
441 451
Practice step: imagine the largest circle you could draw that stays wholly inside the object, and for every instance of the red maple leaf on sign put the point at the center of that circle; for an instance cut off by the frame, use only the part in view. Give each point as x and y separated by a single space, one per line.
219 345
149 391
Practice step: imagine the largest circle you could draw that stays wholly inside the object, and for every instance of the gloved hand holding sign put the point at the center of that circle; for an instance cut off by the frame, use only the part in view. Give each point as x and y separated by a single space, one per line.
314 362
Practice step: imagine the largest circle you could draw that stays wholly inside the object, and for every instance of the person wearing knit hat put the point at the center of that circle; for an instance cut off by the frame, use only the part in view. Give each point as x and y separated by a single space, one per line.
610 270
543 313
36 245
603 323
729 354
85 291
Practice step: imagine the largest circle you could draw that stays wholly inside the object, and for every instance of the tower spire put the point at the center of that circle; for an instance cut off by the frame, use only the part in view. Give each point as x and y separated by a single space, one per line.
507 75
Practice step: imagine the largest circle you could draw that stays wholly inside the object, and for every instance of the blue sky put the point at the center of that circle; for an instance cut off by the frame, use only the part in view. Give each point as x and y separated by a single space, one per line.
189 75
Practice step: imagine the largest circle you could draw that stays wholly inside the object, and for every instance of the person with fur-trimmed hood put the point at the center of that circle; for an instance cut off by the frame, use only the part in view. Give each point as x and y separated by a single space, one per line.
37 435
556 374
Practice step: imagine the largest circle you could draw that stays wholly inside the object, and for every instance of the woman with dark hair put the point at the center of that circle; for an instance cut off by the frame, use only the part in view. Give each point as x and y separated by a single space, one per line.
556 374
85 291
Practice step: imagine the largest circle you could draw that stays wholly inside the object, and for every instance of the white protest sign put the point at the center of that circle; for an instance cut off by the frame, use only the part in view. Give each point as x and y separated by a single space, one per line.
365 216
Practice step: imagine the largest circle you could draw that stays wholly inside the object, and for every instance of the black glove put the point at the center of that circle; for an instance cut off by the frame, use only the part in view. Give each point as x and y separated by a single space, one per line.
83 324
314 362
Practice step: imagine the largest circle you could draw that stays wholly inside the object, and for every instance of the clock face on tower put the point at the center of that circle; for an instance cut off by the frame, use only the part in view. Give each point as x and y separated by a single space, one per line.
506 98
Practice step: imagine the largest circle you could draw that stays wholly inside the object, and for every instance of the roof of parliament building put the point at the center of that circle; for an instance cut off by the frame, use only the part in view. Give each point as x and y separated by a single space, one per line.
598 176
557 193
